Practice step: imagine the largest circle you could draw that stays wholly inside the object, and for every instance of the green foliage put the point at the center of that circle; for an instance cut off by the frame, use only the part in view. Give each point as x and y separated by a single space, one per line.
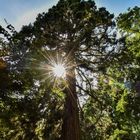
122 103
117 134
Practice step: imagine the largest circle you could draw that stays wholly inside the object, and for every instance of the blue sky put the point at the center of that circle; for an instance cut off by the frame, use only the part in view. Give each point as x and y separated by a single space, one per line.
118 6
22 12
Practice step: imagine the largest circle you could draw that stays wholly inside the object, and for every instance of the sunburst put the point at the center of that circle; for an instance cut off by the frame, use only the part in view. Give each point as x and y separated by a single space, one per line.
53 67
59 70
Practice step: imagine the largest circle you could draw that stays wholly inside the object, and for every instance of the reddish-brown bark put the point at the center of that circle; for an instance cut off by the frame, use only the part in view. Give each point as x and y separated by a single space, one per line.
70 127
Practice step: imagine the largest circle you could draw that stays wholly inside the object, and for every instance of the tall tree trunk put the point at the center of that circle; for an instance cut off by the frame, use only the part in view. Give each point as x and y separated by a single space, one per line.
70 127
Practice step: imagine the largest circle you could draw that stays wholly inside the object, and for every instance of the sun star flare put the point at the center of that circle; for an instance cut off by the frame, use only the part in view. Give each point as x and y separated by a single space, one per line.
59 70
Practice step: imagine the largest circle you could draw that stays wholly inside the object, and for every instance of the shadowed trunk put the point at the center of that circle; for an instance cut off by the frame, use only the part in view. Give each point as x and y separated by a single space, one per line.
70 127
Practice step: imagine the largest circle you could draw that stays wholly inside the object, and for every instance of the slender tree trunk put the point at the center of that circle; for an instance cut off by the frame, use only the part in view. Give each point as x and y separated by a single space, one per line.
70 127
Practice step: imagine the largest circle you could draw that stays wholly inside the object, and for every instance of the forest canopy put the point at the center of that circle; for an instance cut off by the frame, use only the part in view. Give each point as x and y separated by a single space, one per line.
73 74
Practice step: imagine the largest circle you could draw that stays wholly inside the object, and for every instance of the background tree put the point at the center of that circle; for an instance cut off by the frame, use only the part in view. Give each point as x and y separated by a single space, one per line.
118 89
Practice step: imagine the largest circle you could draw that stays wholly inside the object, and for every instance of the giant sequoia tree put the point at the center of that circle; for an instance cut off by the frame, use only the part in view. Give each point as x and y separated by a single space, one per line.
82 34
83 38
